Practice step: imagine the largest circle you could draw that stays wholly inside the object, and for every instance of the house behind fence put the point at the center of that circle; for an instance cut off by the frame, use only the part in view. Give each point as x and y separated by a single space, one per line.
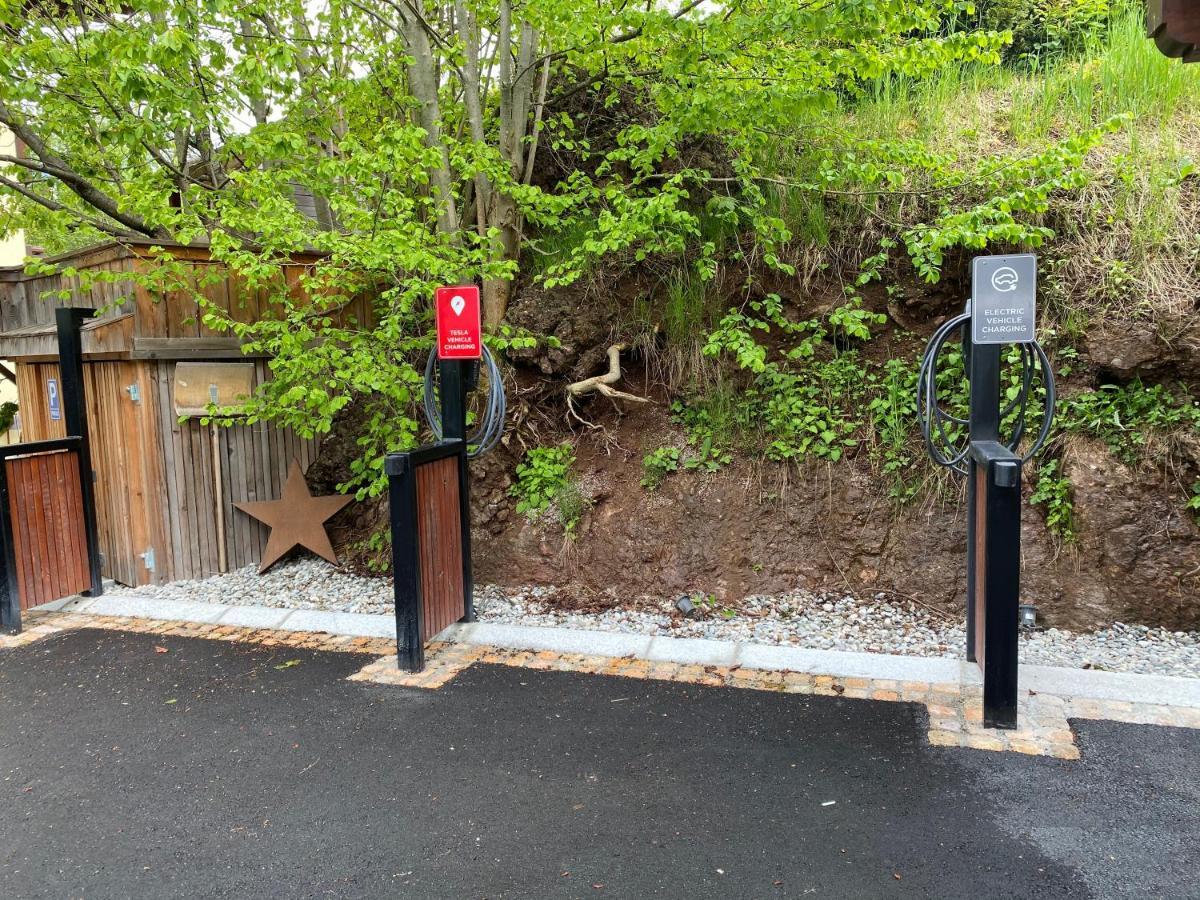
165 488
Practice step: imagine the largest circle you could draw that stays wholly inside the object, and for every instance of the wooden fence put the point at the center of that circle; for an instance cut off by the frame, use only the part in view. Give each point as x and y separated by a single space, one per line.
44 546
431 545
156 493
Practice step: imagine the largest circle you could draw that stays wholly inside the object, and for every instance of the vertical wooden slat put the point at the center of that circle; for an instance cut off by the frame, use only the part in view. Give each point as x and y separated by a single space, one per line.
71 510
62 516
46 537
439 538
20 529
201 484
156 475
38 492
166 449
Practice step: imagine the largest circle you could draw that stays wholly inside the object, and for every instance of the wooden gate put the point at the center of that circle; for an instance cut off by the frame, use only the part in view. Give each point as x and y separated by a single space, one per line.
48 545
431 545
43 527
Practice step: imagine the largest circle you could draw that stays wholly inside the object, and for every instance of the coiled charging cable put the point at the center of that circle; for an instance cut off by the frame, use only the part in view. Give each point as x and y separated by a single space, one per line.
491 418
943 447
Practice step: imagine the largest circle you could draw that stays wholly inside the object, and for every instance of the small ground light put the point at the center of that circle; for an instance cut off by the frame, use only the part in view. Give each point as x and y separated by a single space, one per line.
686 606
1027 615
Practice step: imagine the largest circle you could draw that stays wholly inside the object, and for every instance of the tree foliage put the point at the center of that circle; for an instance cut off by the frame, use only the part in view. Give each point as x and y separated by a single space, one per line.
400 139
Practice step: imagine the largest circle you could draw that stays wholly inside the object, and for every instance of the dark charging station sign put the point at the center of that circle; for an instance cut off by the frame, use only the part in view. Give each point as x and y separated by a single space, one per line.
1003 291
459 330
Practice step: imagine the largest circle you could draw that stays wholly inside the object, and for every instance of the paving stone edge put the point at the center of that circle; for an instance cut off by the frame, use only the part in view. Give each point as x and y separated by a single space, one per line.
1081 683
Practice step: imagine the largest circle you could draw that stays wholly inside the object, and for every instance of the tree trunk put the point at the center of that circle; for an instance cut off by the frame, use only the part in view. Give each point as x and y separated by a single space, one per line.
506 219
423 83
496 294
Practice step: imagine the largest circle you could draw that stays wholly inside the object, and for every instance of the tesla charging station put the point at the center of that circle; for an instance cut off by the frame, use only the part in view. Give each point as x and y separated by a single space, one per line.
997 331
429 488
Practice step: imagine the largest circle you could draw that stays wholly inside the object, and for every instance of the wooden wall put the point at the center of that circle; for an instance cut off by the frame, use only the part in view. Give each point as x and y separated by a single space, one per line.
155 476
161 324
254 462
23 300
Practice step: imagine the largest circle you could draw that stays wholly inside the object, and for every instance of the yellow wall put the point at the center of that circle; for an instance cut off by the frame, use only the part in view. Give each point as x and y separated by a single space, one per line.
12 248
12 253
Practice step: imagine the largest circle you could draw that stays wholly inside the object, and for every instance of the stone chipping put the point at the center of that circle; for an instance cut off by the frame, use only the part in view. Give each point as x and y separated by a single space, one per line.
874 623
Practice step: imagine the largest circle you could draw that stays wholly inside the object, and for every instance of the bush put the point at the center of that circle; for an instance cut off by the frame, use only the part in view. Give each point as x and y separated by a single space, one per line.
1043 29
544 478
1128 417
1052 491
657 465
8 412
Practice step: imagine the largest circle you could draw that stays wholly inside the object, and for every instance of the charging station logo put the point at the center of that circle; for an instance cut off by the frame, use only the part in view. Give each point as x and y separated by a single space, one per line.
458 327
1005 280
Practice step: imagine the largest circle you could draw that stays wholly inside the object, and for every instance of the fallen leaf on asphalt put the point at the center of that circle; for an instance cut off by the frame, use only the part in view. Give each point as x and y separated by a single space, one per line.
158 649
172 700
289 664
599 885
896 875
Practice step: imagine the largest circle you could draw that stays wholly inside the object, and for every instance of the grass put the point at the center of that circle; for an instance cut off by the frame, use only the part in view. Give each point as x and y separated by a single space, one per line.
1125 241
671 320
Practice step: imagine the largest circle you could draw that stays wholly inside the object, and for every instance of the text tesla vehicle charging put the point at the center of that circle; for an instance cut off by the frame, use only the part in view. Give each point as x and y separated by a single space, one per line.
997 331
457 356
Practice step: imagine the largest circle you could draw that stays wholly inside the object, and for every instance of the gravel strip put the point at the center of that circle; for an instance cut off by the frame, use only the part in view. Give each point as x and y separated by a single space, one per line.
879 624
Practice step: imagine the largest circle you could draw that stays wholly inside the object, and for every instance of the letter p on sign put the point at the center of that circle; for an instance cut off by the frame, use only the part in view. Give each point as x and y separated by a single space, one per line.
458 323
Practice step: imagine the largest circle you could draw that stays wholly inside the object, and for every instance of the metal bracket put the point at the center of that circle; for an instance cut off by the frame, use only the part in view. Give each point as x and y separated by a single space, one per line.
148 559
135 392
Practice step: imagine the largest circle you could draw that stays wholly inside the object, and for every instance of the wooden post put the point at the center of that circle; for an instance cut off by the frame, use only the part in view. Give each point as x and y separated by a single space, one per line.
74 401
406 561
10 597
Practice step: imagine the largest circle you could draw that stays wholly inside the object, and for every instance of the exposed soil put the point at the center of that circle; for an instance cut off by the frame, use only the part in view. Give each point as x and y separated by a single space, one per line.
759 527
750 529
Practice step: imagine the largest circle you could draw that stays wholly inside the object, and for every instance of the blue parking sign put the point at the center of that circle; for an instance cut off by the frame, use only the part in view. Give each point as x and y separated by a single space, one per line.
55 400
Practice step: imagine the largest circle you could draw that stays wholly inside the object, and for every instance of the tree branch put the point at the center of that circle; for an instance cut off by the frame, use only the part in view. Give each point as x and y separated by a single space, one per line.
537 122
80 186
54 206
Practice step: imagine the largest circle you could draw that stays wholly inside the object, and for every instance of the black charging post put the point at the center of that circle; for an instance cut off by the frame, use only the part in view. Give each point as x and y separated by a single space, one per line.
1001 314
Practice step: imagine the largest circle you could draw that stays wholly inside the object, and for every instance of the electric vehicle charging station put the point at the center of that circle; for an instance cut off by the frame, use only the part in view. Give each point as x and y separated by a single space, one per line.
429 488
1001 314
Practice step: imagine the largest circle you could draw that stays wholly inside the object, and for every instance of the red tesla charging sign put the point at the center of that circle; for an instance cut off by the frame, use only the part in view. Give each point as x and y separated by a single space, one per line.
458 326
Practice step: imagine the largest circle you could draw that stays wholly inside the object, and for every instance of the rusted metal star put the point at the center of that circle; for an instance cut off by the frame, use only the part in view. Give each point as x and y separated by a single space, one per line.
297 519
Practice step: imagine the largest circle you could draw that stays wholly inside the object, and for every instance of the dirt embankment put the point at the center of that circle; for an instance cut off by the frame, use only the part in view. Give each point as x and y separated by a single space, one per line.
749 529
757 527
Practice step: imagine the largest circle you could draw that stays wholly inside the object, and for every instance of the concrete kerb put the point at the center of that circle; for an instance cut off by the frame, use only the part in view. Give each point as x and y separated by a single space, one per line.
558 640
343 623
1073 683
1161 690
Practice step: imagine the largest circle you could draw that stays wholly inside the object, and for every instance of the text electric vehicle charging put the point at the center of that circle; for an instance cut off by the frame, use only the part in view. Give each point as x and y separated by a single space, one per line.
429 488
985 447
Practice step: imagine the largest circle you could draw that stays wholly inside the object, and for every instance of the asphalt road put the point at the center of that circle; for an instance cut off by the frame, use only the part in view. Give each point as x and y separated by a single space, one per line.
224 770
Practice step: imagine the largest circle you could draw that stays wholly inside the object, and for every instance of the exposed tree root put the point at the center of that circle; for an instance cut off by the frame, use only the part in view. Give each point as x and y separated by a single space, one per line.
602 384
